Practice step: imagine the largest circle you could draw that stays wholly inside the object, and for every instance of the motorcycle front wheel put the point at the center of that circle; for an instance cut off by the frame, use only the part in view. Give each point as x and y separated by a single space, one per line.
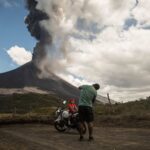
84 128
60 126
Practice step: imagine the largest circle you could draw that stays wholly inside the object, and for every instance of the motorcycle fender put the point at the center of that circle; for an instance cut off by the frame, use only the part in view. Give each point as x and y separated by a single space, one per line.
58 119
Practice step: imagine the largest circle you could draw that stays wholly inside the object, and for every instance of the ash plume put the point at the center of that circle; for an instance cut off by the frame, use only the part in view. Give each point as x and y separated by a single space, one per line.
57 24
46 26
33 24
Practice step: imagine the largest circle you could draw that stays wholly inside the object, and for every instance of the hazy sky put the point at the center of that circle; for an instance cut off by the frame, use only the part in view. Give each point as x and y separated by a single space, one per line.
112 48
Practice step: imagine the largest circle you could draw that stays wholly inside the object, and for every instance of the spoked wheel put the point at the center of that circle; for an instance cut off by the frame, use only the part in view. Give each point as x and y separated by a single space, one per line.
60 126
84 128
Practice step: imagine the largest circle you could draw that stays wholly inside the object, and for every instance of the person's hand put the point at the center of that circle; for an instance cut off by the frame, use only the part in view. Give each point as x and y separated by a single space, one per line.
80 87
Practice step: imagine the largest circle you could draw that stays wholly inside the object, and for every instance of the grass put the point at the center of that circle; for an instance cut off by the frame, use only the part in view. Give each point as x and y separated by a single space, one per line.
24 103
141 107
25 118
26 108
131 114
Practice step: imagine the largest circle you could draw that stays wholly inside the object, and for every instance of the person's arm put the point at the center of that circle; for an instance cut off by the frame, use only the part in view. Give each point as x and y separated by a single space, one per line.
76 108
93 100
80 87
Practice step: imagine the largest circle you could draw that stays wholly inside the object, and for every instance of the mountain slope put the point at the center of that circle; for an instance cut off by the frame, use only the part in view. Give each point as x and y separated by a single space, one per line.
26 76
25 79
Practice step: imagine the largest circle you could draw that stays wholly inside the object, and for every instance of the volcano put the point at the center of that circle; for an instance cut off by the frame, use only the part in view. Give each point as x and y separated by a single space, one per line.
27 76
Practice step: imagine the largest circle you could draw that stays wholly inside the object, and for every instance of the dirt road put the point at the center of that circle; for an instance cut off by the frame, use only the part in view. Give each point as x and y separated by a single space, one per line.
45 137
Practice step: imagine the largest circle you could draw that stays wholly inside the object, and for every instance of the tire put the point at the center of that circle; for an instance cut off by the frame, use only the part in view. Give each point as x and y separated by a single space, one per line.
84 128
60 126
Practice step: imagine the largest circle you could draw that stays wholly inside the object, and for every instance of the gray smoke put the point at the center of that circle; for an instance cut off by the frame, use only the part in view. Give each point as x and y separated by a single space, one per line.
64 29
47 27
55 24
33 24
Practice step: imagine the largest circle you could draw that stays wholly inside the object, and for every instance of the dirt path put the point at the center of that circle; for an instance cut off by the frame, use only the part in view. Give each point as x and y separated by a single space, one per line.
45 137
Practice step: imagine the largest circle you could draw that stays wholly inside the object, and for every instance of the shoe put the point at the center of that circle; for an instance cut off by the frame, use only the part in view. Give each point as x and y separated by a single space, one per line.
81 138
91 138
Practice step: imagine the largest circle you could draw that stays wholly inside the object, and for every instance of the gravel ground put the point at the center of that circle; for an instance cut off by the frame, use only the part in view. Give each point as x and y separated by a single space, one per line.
45 137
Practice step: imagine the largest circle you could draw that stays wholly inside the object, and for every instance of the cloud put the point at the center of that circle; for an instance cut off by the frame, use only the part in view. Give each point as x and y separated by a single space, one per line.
8 3
108 43
19 55
119 60
141 13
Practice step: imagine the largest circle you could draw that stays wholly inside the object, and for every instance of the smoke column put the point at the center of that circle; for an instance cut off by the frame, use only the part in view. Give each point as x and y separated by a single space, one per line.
55 23
33 24
47 22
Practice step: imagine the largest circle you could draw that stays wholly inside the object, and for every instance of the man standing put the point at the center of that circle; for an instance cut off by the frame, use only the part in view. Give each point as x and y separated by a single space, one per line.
88 95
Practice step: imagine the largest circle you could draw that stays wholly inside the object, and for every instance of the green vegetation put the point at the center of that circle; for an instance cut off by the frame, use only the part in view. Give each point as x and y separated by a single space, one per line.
21 108
133 114
141 107
24 103
25 118
26 108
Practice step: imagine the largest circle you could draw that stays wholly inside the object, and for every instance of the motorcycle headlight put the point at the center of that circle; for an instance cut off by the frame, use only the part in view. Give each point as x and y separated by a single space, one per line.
57 112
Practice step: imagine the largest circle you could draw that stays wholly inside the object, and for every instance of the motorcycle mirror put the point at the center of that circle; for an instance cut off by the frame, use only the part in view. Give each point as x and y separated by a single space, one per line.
64 102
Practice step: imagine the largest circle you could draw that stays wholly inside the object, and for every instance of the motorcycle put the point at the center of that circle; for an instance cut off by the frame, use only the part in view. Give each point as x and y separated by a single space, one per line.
63 120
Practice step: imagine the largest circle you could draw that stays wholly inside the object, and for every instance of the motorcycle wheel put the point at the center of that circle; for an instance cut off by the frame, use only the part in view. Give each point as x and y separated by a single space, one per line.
60 126
84 128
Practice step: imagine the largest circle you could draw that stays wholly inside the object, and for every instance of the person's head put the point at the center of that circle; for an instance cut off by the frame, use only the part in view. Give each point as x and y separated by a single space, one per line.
96 86
71 100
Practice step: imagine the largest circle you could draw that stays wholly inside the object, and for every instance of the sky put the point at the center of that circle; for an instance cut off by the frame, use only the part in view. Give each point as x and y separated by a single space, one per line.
14 36
111 48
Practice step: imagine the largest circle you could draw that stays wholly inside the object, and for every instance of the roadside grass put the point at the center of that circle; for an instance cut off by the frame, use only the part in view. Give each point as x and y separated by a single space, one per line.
27 118
37 108
24 103
130 114
28 108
